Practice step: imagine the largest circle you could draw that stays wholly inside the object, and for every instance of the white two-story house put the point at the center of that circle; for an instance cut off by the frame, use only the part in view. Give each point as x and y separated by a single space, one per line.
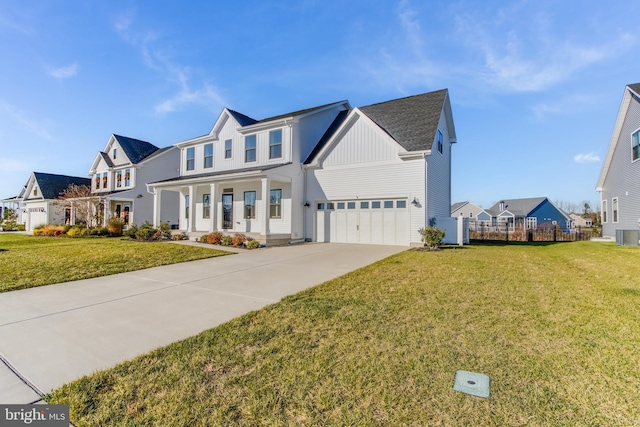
119 175
331 173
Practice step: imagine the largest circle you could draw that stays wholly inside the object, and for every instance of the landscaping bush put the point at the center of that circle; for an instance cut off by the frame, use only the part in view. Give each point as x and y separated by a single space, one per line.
432 237
78 230
202 239
238 240
180 236
48 230
226 241
165 228
98 231
252 244
214 238
145 231
115 226
8 220
132 230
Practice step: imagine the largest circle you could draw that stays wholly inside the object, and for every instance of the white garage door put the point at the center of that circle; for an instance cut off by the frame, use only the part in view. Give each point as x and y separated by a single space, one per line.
382 222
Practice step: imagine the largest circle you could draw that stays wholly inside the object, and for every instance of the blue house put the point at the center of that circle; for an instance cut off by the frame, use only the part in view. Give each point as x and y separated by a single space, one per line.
528 213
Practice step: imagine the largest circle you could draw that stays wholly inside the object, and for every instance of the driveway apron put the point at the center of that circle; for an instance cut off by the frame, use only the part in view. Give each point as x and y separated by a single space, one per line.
53 334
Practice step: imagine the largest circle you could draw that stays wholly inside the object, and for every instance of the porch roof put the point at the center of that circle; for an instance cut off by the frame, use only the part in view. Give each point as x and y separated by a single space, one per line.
219 175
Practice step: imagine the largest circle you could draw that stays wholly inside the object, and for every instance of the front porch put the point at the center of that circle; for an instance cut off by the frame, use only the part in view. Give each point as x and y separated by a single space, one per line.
259 207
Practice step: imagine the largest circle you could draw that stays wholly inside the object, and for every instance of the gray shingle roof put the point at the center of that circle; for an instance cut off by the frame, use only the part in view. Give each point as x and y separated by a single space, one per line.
518 207
135 149
635 87
51 185
295 113
457 206
411 121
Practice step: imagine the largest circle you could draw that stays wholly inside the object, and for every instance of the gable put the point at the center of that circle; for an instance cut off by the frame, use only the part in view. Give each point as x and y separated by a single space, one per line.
50 186
359 140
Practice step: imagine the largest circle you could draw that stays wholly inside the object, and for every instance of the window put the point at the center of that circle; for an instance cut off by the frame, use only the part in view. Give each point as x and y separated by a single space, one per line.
439 142
186 206
340 205
227 149
35 190
635 145
470 214
208 156
351 205
127 177
249 204
97 182
275 204
614 209
104 180
604 211
388 204
401 204
330 206
115 152
191 158
364 205
375 205
250 148
320 206
206 206
119 179
275 144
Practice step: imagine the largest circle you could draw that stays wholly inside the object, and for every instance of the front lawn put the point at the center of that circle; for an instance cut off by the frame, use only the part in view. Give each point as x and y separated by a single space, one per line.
27 261
556 327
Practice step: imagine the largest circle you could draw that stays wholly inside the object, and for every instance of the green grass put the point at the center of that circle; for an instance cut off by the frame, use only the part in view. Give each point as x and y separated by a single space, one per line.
556 327
27 261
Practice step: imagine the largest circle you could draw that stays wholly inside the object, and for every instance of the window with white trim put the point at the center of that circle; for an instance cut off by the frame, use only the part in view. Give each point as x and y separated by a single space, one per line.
208 156
440 144
635 145
186 206
119 179
249 205
206 206
275 204
127 177
191 158
249 148
604 211
227 149
275 144
614 209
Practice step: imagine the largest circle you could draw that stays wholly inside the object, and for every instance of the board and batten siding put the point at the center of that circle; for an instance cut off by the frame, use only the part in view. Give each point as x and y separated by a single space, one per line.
164 166
439 175
623 178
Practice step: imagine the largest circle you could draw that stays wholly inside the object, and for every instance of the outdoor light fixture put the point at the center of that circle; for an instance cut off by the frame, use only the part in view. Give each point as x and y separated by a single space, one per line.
139 196
414 202
307 204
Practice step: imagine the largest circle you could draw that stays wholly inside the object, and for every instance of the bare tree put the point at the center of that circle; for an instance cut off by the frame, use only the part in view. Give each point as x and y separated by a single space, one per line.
84 203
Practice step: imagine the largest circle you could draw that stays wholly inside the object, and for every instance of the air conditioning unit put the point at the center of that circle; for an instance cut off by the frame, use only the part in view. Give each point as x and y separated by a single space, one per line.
628 237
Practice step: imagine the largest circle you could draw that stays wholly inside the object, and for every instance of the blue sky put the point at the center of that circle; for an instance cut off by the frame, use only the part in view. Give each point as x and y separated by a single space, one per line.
535 85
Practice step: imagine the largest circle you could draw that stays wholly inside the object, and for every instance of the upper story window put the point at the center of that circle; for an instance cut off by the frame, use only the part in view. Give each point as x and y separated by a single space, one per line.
208 156
35 190
227 149
115 153
275 144
104 180
440 142
635 145
119 179
191 158
250 148
97 182
127 177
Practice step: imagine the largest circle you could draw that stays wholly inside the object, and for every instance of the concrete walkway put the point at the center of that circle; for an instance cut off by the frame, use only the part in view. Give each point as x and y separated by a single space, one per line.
53 334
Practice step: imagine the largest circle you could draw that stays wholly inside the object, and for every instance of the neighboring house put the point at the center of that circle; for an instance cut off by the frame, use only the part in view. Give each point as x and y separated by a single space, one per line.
619 181
41 199
528 213
469 210
16 203
331 173
120 173
580 221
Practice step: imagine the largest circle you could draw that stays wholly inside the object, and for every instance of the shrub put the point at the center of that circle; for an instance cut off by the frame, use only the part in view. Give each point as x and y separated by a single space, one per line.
132 230
8 220
238 239
165 228
226 241
180 236
252 244
98 231
432 237
115 226
145 231
214 238
48 230
202 239
78 231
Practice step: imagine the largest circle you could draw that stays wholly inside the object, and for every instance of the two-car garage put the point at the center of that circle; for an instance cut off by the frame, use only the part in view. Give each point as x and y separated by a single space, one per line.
373 221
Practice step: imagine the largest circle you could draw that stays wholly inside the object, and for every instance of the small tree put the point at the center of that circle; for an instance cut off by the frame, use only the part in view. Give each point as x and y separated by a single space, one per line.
432 237
9 217
84 203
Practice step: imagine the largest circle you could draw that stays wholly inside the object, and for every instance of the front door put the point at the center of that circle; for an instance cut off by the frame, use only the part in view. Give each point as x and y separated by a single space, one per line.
227 211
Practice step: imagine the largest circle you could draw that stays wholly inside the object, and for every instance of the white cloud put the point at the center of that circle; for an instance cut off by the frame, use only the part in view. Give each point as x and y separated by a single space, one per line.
64 72
24 119
586 158
160 61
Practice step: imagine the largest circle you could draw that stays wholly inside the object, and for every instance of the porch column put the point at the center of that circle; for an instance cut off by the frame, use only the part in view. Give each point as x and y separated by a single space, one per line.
157 203
213 209
266 194
191 223
107 210
72 216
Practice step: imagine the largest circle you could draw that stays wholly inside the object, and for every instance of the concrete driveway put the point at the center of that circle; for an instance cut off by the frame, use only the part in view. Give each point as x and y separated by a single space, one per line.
54 334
